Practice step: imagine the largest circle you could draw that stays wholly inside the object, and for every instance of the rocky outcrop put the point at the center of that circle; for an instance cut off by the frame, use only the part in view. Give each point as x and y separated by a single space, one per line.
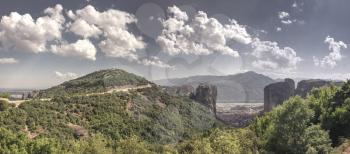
184 90
277 93
79 131
305 86
206 94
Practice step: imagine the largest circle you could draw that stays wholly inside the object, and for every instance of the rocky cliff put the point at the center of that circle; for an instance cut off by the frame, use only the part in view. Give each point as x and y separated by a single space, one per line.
276 93
206 94
305 86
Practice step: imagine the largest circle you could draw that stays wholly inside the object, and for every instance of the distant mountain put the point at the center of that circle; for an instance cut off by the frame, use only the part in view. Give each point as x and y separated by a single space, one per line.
98 81
243 87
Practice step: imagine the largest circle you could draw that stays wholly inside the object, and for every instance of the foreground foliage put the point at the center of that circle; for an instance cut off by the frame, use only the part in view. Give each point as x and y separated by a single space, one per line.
312 125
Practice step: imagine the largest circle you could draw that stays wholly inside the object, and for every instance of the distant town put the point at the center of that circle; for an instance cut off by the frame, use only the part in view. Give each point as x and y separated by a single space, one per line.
17 94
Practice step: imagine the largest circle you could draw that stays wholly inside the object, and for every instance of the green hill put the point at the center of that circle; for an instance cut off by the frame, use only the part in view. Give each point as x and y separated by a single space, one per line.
149 114
98 81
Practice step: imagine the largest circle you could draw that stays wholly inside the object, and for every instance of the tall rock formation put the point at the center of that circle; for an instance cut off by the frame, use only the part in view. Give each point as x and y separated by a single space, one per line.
206 94
305 86
276 93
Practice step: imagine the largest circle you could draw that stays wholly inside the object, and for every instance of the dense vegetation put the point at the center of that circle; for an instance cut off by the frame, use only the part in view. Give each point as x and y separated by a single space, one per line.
99 81
313 125
152 121
146 118
4 105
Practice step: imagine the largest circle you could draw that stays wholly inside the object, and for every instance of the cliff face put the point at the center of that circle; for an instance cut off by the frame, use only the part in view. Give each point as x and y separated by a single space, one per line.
305 86
206 94
276 93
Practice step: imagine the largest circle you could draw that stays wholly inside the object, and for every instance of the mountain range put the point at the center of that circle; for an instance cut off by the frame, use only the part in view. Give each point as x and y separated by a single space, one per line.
238 88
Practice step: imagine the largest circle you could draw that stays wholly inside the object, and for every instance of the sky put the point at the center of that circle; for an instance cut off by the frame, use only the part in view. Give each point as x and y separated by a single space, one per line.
44 43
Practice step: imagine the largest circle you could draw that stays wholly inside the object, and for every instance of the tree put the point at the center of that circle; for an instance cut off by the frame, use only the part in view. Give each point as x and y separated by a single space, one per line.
12 143
95 144
282 129
338 122
332 108
43 145
133 145
4 105
317 140
224 142
199 145
4 95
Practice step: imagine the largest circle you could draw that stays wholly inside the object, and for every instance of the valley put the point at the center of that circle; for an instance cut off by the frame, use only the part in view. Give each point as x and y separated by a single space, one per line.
238 114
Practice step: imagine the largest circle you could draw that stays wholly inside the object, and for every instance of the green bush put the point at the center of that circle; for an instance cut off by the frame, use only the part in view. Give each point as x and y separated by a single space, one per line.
4 105
5 95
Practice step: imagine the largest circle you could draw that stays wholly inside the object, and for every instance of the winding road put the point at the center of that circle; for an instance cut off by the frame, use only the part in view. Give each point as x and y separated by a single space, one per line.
113 90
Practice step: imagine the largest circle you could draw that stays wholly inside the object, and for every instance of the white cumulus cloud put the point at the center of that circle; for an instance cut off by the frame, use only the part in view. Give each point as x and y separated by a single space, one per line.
283 15
285 18
154 61
270 57
82 28
22 32
65 76
200 35
331 60
81 48
287 22
112 25
8 61
278 29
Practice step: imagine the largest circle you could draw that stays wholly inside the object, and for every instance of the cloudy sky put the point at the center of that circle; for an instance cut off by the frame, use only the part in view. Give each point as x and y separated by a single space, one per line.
43 43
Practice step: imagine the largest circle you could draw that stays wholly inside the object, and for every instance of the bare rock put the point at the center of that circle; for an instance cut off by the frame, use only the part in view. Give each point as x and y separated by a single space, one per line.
206 94
79 131
305 86
277 93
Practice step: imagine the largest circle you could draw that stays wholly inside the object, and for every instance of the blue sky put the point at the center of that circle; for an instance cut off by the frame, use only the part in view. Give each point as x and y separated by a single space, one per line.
43 43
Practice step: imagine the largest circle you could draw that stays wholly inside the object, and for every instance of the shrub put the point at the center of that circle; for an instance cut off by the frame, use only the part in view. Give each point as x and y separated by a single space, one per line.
4 105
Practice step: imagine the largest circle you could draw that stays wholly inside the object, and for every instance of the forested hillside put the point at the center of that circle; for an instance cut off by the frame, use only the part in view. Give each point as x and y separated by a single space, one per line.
151 121
147 115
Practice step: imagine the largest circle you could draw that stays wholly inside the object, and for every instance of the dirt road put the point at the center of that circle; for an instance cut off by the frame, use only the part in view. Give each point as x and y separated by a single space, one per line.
121 89
117 89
